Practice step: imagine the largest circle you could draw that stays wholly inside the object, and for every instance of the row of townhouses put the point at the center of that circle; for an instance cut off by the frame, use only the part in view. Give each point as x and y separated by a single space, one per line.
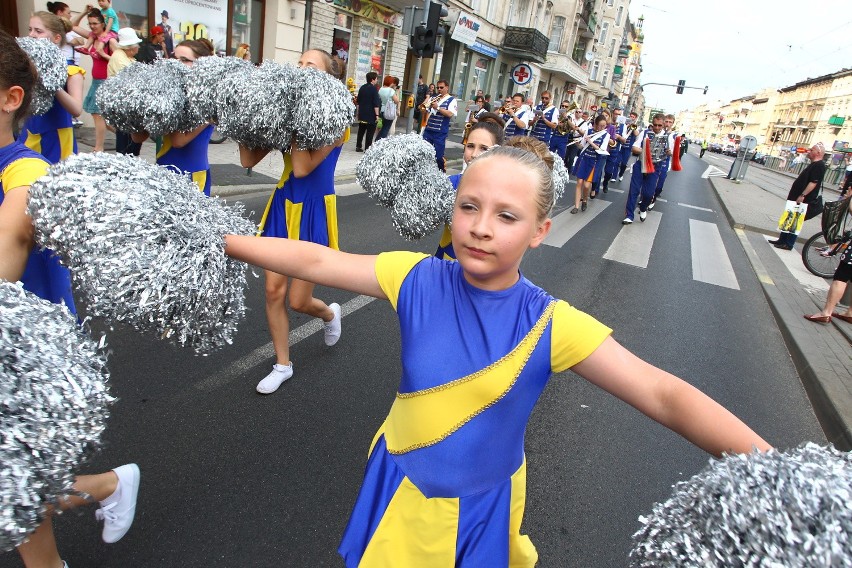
785 121
587 51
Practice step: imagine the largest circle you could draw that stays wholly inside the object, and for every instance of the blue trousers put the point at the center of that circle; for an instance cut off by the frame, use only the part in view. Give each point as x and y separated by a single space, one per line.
613 162
600 166
439 141
641 184
558 144
663 169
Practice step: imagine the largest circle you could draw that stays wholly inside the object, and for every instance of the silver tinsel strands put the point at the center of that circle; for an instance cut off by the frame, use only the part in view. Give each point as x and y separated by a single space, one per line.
400 173
323 110
148 98
791 508
144 246
52 71
203 83
560 177
53 407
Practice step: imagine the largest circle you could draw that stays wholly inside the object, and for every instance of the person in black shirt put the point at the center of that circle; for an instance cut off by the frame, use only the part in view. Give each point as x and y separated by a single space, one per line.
805 189
369 104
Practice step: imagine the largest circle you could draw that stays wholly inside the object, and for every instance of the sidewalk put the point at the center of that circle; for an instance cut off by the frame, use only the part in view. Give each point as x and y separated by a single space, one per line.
230 178
821 353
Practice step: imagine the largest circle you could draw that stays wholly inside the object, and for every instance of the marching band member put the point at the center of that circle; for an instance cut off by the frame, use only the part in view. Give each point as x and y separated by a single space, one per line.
668 123
544 119
581 127
594 145
516 116
652 147
618 137
600 165
631 126
444 108
562 132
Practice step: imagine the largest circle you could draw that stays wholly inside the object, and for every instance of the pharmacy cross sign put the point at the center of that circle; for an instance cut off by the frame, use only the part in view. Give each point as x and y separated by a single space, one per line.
521 74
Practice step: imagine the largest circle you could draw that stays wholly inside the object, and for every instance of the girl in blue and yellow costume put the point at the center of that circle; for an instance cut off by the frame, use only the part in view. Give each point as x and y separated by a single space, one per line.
484 134
52 134
187 151
303 207
19 168
445 478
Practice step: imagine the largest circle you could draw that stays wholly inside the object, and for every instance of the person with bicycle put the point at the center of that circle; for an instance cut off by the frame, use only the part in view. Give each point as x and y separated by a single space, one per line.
805 189
838 283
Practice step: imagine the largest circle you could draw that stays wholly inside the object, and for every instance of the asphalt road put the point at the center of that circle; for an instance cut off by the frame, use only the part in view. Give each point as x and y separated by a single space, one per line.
232 478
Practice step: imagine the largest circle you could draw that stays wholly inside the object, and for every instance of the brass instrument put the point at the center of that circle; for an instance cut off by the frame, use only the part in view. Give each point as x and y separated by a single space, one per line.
574 106
613 142
564 125
505 109
427 103
467 127
632 126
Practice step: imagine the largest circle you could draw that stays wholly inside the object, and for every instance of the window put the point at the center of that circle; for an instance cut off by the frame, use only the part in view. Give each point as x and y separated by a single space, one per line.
492 9
612 47
609 3
522 15
247 23
341 42
605 78
474 5
556 33
618 15
596 66
604 31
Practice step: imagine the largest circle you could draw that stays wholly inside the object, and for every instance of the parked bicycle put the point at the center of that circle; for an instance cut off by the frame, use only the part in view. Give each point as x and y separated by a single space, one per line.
820 252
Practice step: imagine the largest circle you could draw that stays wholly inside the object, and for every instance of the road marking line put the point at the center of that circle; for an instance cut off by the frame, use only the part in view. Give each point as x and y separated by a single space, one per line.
756 263
266 352
793 261
712 171
566 225
710 262
695 207
634 242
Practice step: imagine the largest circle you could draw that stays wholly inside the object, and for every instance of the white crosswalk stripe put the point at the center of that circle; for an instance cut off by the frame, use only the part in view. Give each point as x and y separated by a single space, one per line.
566 225
710 262
634 242
713 171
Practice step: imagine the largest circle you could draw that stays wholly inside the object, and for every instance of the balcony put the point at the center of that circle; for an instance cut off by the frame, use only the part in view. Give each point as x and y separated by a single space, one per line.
562 63
526 43
837 120
588 20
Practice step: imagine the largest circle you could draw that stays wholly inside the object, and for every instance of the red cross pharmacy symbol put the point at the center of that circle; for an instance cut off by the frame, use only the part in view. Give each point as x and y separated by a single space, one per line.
521 74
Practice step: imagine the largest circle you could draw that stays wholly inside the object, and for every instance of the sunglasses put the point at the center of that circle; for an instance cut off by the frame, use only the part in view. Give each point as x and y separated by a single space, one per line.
564 106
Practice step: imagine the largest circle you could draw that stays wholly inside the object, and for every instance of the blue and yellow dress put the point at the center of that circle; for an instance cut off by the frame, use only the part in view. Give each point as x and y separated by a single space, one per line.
445 245
304 208
43 275
445 480
191 159
52 134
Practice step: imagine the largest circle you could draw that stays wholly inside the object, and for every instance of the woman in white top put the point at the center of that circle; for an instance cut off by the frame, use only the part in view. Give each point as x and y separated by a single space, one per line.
72 38
387 93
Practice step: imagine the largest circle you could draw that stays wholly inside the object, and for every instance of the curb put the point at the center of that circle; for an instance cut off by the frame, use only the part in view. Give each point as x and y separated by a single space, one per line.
830 399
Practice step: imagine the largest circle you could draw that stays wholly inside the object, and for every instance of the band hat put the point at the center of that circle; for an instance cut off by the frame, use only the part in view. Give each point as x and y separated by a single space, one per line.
164 13
127 37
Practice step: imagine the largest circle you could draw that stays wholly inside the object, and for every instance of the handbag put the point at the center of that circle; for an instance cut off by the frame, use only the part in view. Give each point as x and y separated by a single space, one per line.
815 207
793 217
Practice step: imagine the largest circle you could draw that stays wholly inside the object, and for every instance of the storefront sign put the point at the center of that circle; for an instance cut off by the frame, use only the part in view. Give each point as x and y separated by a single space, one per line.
466 29
521 74
195 19
480 47
369 11
364 62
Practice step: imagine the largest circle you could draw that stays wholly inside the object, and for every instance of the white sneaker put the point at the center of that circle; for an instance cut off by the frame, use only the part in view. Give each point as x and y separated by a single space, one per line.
643 215
651 205
627 221
118 509
620 178
332 328
273 380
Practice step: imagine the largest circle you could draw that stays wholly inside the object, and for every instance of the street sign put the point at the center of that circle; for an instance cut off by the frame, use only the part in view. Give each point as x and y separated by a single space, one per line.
748 143
521 74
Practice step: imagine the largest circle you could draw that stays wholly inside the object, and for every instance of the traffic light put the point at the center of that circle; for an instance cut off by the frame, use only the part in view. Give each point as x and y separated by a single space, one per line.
680 85
434 29
419 40
705 89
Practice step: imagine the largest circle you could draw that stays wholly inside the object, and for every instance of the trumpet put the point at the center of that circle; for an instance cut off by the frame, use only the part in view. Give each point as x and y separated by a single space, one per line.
427 103
613 142
574 106
632 126
505 109
467 127
564 125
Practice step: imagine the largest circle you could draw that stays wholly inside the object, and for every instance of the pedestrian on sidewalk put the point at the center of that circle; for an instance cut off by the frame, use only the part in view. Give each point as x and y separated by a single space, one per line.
805 189
304 208
128 47
369 104
445 480
703 148
838 287
389 104
52 134
40 272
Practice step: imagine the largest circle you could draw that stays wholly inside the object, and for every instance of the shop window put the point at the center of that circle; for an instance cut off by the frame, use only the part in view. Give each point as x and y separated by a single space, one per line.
341 43
372 48
134 14
556 33
246 28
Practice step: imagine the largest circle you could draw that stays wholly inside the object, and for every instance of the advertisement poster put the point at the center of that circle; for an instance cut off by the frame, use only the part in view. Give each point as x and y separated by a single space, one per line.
194 19
364 62
466 29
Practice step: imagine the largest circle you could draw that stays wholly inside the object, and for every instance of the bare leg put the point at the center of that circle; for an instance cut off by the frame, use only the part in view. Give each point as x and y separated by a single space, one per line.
578 193
302 300
276 315
100 132
835 292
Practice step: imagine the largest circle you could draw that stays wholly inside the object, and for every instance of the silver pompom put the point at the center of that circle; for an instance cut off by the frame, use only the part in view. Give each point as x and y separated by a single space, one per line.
776 508
560 177
323 110
400 173
256 105
204 80
52 71
148 98
53 407
144 246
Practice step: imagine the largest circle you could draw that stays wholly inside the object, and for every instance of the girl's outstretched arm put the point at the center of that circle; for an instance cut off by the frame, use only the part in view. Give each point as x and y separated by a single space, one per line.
308 261
667 399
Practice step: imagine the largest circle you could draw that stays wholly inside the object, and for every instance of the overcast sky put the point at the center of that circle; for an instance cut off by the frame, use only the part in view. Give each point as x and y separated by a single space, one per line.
737 48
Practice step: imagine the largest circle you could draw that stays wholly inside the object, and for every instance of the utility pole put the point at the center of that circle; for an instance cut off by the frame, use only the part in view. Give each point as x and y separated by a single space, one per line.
417 65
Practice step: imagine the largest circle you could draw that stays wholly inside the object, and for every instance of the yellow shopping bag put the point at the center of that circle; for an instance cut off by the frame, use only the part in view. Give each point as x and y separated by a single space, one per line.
793 217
